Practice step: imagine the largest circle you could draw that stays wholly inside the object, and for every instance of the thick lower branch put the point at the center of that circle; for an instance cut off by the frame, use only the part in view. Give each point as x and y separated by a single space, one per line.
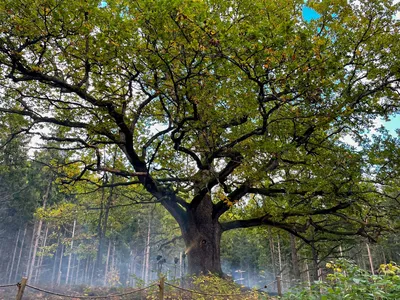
294 229
176 206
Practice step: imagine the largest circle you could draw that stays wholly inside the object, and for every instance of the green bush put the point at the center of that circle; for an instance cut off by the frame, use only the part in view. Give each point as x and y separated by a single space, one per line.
348 281
207 287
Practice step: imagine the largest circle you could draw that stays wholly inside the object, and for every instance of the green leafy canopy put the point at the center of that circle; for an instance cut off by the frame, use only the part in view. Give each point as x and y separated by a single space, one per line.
207 98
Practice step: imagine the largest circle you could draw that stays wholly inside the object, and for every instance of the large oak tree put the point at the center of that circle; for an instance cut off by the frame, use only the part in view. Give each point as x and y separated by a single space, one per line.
211 103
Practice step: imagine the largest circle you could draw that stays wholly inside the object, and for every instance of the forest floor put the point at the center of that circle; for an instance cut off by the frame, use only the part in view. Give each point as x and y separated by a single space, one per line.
76 292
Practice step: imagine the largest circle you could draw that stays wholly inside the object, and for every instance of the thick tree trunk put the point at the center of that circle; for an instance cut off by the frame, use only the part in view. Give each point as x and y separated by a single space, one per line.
203 248
202 236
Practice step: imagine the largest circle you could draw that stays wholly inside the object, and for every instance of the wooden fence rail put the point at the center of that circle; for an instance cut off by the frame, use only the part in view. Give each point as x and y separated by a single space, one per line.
23 285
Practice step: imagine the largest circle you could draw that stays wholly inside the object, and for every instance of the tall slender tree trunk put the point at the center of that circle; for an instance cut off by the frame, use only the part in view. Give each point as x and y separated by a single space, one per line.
28 264
113 268
362 262
295 258
272 252
53 277
130 268
113 257
103 223
180 264
13 257
86 272
20 254
78 271
34 250
40 262
371 262
72 270
134 271
70 254
315 263
280 257
39 231
144 259
92 273
59 273
107 262
308 274
7 269
147 253
383 254
103 220
100 232
280 262
1 262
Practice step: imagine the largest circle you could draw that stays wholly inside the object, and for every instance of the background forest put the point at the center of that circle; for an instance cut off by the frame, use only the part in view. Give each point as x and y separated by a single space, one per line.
58 234
187 137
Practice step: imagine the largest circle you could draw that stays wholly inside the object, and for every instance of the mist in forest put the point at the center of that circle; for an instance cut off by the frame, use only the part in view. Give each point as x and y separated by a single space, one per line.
105 238
48 260
102 238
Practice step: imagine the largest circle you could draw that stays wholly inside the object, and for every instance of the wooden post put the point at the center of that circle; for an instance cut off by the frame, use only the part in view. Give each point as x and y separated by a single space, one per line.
161 286
21 288
279 285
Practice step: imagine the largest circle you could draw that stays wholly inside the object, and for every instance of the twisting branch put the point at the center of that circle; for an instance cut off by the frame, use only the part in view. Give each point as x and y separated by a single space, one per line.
293 228
219 178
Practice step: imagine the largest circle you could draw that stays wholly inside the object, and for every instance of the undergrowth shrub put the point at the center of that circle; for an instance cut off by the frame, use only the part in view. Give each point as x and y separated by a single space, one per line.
209 287
348 281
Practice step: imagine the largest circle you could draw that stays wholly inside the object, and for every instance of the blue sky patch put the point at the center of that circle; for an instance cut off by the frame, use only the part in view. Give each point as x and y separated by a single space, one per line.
393 124
309 14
